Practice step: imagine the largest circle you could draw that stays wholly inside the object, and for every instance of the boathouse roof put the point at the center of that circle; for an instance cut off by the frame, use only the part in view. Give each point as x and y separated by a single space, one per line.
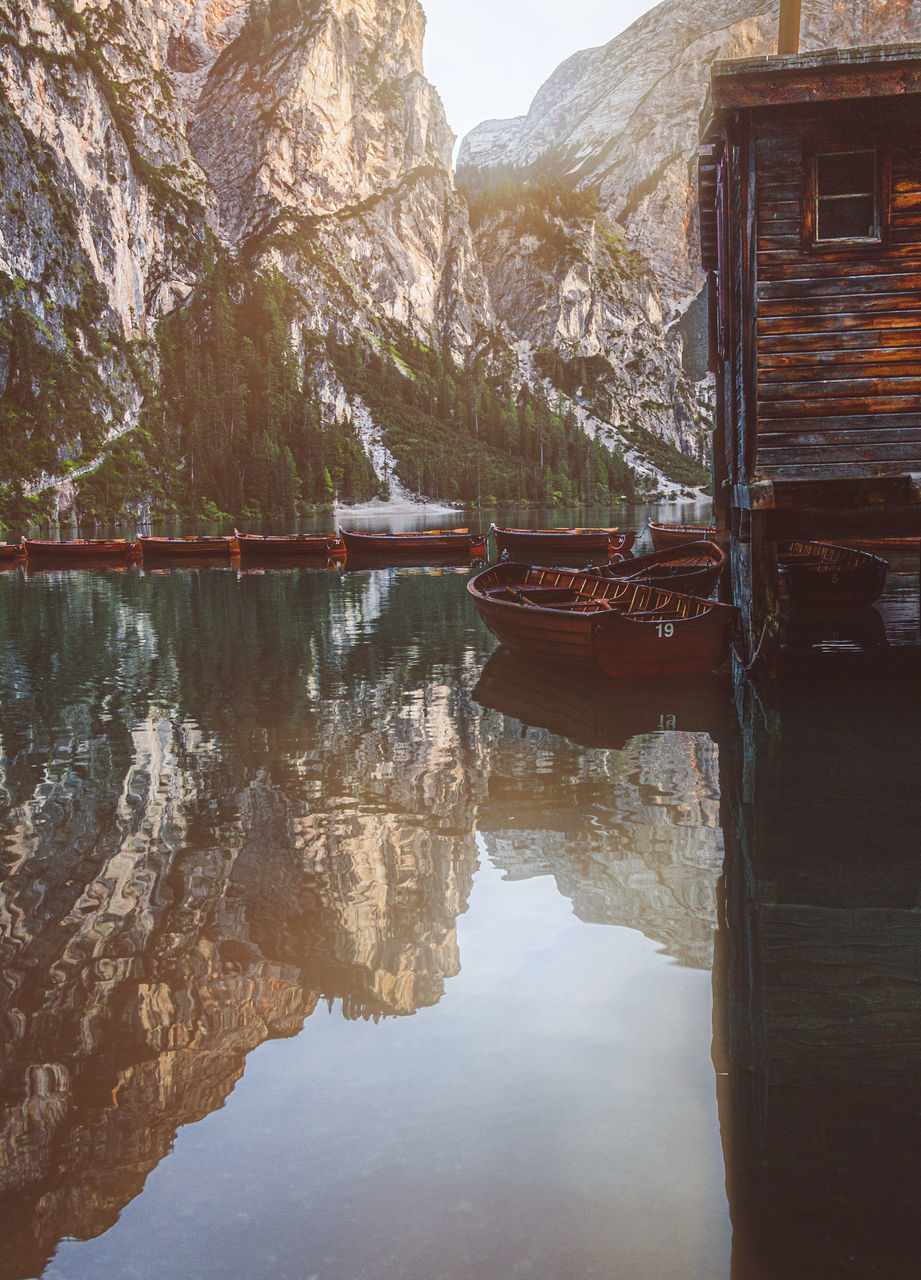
830 75
793 80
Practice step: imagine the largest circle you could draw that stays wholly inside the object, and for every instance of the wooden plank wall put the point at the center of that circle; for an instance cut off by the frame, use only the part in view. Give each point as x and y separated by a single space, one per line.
839 330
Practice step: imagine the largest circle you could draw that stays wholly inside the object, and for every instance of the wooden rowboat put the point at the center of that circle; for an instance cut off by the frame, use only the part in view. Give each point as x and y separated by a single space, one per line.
623 629
665 536
431 542
80 549
8 551
188 548
822 573
543 542
256 546
693 568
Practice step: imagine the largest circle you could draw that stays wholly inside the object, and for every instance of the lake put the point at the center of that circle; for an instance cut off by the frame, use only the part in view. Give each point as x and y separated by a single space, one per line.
338 945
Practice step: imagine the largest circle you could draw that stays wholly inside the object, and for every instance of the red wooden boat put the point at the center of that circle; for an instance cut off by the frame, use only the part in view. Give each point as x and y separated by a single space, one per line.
188 548
562 542
665 536
693 568
431 542
8 551
257 546
623 629
822 573
80 549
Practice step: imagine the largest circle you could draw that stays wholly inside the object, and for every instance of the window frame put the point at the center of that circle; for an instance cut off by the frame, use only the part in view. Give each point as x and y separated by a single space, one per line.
843 244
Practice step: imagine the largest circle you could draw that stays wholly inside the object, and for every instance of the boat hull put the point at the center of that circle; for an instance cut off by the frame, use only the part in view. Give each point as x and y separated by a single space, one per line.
693 568
527 543
666 536
414 546
255 546
82 550
187 548
624 630
823 573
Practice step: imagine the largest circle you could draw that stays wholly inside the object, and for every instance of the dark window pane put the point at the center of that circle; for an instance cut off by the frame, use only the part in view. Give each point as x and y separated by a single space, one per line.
847 218
846 172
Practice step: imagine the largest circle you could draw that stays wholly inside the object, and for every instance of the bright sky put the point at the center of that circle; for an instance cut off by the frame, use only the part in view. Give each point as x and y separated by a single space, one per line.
488 58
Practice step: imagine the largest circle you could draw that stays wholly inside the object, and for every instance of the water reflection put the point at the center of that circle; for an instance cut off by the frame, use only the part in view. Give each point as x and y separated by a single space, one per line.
234 798
819 994
203 839
631 832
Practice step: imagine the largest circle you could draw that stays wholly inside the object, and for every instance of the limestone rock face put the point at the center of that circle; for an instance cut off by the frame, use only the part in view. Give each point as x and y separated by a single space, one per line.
305 137
624 117
576 289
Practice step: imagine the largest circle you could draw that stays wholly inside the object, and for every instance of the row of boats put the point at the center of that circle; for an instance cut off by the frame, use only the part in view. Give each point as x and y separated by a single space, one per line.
624 615
650 615
440 543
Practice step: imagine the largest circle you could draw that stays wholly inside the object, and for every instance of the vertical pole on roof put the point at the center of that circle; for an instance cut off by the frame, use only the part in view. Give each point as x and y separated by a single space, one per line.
788 29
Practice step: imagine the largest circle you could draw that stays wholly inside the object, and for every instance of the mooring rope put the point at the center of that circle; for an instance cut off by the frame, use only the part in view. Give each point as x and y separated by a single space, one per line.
747 666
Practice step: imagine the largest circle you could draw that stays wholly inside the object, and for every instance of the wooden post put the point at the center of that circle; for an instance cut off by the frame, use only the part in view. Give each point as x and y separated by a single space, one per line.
788 30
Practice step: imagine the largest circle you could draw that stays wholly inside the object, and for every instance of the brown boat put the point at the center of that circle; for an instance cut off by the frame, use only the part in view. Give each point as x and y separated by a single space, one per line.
8 551
188 548
665 536
623 629
822 573
257 546
80 549
561 542
693 568
435 542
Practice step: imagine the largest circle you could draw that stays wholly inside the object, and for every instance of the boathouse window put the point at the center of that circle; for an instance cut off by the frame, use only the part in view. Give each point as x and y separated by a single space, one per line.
846 202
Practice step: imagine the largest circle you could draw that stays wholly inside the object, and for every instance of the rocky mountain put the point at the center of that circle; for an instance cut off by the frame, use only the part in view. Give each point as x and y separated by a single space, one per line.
208 210
623 118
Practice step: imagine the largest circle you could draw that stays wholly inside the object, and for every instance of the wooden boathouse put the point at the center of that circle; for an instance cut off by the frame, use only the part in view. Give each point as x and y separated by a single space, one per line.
810 213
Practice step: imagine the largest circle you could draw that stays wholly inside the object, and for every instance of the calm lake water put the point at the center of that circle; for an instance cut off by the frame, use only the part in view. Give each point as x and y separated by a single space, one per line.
337 945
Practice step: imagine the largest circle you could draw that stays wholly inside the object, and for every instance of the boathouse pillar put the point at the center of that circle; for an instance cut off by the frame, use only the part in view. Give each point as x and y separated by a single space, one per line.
753 569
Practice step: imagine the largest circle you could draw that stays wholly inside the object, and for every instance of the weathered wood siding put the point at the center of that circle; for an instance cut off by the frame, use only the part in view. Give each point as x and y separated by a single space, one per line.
838 329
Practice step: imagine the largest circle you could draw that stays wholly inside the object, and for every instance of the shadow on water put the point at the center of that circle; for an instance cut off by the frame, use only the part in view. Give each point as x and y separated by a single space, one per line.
818 974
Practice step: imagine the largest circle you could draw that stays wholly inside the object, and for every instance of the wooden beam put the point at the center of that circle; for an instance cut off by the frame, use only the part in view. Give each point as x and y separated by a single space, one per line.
788 28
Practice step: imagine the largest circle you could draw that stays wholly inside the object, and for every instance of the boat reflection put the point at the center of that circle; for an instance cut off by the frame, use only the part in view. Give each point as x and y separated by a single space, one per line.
595 712
624 814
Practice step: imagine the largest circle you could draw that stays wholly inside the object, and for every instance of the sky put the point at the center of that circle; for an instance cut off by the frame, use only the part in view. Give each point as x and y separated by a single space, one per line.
488 58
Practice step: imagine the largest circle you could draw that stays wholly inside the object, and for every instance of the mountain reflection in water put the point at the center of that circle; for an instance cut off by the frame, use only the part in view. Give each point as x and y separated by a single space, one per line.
229 797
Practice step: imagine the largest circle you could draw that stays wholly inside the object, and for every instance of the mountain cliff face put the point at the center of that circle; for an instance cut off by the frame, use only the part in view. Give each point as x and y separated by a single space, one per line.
197 198
144 143
623 118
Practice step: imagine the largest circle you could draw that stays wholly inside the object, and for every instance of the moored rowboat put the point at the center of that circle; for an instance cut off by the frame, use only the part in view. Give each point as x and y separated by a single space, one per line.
255 546
676 535
439 542
188 548
80 549
8 551
543 542
693 568
822 573
623 629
